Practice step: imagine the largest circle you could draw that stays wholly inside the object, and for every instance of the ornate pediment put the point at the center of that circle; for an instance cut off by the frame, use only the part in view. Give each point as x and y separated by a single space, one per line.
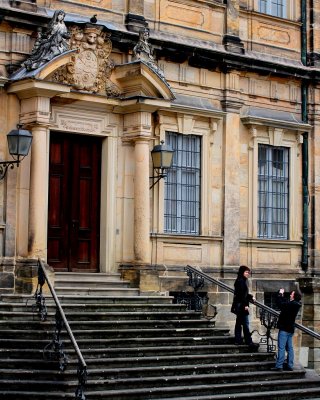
79 59
90 67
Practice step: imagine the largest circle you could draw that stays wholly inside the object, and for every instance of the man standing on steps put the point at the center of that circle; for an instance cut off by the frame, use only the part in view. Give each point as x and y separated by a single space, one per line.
288 313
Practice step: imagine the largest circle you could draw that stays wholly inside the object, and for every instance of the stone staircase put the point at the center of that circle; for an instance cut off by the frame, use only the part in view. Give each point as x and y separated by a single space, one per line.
136 347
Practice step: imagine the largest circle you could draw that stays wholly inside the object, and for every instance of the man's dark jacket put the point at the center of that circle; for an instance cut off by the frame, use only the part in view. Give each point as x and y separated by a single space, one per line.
288 312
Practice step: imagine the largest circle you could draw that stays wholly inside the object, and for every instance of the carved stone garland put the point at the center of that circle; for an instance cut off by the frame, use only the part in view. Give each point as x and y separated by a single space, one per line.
91 67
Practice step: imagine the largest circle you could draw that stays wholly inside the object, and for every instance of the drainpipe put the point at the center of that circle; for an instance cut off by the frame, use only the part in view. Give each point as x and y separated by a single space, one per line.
305 158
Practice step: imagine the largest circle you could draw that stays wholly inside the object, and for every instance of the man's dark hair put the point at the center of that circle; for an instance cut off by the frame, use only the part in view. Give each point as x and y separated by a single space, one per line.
297 295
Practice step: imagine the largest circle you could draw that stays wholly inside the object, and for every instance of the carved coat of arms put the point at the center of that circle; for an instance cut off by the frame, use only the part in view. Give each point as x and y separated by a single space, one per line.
91 67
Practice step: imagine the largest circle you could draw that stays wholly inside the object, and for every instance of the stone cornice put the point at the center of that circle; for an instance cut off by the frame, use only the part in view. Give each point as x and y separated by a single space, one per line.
277 123
28 88
199 53
272 243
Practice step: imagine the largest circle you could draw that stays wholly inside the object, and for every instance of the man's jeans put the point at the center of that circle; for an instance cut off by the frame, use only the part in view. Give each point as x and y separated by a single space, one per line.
242 321
285 344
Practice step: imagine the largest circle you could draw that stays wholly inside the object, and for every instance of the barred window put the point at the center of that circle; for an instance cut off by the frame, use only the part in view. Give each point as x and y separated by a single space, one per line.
182 185
273 192
273 7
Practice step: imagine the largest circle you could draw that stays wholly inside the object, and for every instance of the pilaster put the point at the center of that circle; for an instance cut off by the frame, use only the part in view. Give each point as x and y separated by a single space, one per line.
310 287
314 35
135 19
231 38
314 173
231 149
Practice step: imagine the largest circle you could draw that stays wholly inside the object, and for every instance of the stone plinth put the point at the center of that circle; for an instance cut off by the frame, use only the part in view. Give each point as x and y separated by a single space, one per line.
310 287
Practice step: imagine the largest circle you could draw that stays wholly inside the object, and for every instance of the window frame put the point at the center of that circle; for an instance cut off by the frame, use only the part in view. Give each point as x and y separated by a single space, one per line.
282 136
276 202
186 171
210 129
268 8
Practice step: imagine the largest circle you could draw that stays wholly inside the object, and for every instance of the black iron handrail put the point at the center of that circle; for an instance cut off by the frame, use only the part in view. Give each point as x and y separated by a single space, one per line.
255 302
61 321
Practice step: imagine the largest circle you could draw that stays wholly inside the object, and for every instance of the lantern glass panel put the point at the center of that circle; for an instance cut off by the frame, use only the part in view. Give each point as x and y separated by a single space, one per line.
19 142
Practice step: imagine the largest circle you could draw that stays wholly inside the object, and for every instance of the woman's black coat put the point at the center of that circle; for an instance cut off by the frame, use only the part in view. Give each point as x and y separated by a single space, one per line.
242 297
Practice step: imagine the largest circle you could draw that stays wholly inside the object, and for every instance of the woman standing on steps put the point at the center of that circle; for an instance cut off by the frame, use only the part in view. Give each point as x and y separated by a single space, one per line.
240 307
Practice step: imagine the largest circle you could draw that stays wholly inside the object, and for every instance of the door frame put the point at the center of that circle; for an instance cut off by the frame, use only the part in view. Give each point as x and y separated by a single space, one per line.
104 124
72 172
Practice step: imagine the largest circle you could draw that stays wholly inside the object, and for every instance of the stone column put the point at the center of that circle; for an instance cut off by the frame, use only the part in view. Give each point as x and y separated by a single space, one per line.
138 130
232 104
38 212
310 287
141 202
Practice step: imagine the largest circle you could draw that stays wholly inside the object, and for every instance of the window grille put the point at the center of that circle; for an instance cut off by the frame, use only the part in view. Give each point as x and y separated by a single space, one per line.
276 8
182 185
273 192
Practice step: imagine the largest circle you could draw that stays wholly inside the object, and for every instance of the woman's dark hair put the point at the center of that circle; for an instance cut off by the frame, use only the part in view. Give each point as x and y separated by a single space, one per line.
242 269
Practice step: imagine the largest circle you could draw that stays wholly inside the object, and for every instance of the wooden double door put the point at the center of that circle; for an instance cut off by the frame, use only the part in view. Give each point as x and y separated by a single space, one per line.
74 202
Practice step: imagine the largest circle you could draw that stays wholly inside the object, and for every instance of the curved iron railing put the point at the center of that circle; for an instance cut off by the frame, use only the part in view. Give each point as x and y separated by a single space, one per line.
55 347
268 316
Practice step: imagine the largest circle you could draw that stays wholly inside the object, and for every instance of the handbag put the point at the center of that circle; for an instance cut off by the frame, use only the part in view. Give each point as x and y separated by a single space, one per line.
236 307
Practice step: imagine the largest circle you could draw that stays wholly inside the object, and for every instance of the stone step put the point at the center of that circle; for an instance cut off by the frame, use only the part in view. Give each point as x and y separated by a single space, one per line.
112 324
96 307
99 383
228 389
143 351
295 394
76 299
40 385
302 393
220 369
86 276
94 283
225 362
152 376
124 342
29 394
196 383
105 316
95 291
167 360
47 329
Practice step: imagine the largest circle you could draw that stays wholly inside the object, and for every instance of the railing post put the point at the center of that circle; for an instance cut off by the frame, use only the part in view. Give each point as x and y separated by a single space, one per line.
82 379
269 321
40 299
196 282
55 347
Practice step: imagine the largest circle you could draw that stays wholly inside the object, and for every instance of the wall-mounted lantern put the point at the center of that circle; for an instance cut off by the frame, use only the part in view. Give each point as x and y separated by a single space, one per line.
162 157
19 143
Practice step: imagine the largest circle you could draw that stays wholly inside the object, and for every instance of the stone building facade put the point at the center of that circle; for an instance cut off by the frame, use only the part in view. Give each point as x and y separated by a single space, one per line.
232 86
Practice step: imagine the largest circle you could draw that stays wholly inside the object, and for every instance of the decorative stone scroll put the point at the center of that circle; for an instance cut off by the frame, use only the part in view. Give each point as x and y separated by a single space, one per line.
91 67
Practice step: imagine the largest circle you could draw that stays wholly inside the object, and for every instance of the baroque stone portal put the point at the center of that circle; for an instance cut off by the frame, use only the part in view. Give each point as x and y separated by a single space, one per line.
91 67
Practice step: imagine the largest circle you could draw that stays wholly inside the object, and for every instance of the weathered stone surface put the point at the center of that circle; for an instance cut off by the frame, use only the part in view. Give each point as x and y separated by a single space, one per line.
6 280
